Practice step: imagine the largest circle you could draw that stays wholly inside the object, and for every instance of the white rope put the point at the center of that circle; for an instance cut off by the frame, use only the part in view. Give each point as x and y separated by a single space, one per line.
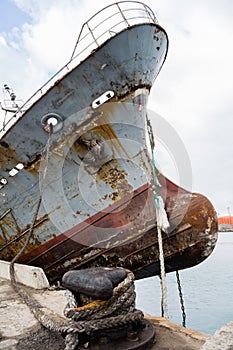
161 215
162 276
162 225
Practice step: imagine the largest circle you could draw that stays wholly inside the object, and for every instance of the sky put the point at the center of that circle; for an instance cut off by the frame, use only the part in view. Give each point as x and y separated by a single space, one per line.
193 92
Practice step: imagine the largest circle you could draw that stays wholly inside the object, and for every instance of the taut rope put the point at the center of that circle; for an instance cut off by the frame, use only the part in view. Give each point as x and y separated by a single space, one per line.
162 225
12 270
162 222
117 311
181 299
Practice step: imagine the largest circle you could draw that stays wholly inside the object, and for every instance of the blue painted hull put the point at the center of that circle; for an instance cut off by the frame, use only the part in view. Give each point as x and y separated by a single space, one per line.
98 192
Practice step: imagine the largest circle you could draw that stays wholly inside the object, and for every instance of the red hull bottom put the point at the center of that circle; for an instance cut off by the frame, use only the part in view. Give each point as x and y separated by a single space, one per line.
134 245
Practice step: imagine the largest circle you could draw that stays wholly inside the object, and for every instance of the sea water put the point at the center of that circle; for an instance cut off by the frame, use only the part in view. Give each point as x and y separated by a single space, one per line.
207 290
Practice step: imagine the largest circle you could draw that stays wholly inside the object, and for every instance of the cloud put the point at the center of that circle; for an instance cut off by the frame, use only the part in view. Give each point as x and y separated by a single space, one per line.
2 41
48 41
194 91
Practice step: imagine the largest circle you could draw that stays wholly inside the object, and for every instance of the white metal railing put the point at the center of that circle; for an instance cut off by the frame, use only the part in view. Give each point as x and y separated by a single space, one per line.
98 29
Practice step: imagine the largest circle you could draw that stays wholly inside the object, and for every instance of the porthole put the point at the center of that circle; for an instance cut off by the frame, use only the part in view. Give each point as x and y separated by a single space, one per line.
52 119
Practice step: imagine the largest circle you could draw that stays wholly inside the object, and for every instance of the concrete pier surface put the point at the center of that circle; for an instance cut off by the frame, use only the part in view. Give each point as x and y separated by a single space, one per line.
19 330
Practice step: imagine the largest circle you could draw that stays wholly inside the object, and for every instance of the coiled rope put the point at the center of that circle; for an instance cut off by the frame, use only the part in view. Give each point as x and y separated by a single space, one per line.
118 311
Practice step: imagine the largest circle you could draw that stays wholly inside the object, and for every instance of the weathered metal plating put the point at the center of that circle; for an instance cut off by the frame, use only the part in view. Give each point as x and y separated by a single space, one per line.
122 172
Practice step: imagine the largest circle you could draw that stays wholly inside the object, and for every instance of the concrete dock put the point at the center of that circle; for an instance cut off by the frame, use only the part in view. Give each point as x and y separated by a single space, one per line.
19 330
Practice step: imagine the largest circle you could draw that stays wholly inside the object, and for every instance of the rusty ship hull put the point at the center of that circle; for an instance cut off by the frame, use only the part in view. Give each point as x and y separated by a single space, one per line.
96 180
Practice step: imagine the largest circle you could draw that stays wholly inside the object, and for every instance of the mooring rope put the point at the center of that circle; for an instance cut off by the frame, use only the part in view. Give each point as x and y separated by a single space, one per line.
12 269
162 222
162 225
117 311
13 261
162 276
181 299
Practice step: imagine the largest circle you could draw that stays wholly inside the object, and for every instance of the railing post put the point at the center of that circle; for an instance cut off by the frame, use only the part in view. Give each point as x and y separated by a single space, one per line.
122 14
92 34
149 14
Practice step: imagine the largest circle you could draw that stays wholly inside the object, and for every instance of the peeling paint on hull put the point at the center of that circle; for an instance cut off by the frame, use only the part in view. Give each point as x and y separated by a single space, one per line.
97 206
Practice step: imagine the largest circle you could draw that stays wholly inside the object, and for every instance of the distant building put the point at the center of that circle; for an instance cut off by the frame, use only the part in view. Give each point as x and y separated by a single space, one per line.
225 223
